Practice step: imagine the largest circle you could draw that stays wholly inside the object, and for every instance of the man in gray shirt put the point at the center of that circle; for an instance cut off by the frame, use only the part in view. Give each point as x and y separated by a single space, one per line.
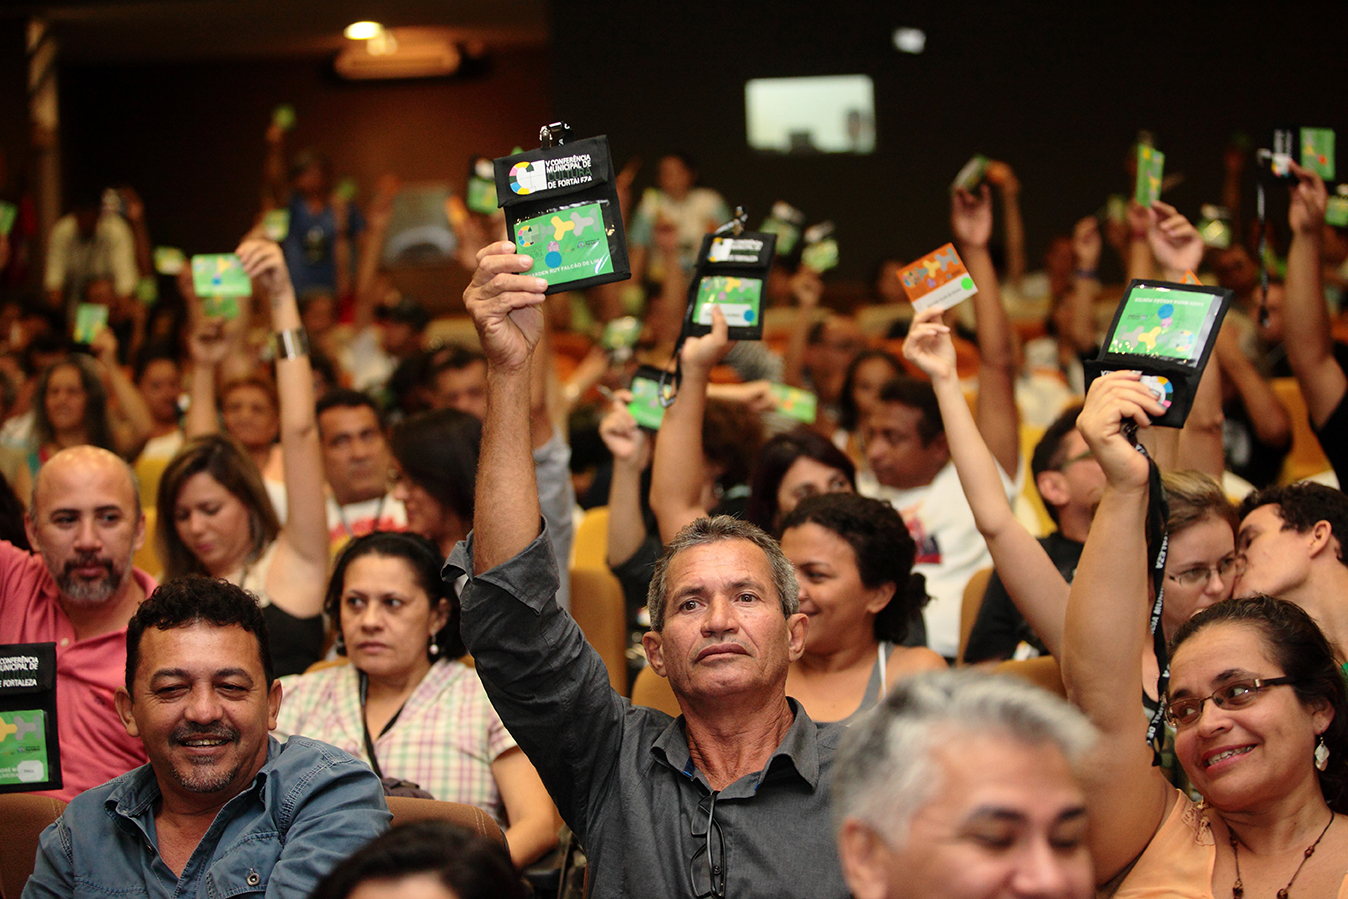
731 798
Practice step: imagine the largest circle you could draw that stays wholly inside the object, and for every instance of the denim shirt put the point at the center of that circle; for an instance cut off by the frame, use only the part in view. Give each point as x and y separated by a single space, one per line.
622 775
310 806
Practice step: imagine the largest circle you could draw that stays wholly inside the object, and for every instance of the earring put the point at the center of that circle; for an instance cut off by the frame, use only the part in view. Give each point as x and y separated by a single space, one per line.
1322 754
433 649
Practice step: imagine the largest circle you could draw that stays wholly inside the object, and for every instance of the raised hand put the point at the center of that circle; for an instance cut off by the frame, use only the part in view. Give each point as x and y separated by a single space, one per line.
1112 400
1176 244
629 444
705 351
505 306
1306 214
971 217
1086 244
929 346
266 266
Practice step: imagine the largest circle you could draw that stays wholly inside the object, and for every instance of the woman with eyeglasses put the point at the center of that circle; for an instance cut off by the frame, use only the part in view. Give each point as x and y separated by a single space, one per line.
1200 564
1255 697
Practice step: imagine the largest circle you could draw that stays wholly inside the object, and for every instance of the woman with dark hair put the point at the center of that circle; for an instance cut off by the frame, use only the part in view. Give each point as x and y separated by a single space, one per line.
215 517
424 860
71 408
854 561
1255 696
435 454
406 705
792 466
869 371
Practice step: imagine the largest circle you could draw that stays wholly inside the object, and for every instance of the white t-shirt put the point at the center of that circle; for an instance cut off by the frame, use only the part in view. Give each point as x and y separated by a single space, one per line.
383 513
949 547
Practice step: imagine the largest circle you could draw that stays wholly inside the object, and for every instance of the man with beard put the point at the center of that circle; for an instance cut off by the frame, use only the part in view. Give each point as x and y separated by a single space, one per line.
222 808
85 521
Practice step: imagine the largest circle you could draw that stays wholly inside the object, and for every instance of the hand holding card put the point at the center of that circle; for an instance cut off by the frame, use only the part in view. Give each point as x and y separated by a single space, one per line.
937 279
1150 171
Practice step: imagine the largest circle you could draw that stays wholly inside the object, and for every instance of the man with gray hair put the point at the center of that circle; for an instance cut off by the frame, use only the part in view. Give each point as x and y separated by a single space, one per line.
729 799
962 785
85 521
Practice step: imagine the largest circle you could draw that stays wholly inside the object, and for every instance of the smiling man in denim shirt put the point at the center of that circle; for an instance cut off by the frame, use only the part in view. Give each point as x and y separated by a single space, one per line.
222 808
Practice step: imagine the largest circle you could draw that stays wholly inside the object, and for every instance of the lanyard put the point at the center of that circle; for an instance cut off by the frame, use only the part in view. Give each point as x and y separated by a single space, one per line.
1157 512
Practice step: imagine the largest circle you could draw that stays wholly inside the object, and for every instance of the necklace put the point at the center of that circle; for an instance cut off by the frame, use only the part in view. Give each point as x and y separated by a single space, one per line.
1238 888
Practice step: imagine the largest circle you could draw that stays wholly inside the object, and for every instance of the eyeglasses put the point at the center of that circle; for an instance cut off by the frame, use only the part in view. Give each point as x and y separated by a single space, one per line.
706 871
1072 460
1182 713
1200 575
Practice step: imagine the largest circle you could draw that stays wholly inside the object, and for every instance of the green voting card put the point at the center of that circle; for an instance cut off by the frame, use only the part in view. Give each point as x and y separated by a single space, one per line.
169 260
738 298
23 747
276 224
283 117
1317 151
795 403
1158 321
90 320
821 256
1336 212
645 406
220 275
566 245
8 213
972 175
1150 170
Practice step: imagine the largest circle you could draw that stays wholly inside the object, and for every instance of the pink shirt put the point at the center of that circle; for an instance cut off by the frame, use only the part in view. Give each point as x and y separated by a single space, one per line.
95 747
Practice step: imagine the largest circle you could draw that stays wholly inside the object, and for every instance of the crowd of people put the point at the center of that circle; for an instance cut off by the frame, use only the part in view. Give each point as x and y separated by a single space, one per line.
296 558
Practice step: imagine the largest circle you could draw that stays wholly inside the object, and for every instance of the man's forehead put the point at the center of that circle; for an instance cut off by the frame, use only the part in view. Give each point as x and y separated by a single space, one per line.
84 483
714 561
199 648
339 419
1269 514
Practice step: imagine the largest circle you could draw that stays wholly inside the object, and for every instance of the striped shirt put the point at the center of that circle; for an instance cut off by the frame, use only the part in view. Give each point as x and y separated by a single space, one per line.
445 738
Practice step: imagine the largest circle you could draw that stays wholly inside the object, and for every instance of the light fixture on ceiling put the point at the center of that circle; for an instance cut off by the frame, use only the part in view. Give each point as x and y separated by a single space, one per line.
910 40
363 31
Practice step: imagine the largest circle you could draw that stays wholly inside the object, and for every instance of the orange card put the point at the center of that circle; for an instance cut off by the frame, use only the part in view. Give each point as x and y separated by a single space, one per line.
938 279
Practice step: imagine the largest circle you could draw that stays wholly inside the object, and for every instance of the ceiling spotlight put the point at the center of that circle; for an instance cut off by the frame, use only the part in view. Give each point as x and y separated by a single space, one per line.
363 31
910 40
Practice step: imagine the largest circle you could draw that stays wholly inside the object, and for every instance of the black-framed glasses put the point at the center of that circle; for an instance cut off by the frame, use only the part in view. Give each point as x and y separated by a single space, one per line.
1072 460
706 871
1200 575
1182 713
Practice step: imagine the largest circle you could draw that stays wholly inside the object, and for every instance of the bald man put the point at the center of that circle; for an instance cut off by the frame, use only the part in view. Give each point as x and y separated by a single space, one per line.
85 521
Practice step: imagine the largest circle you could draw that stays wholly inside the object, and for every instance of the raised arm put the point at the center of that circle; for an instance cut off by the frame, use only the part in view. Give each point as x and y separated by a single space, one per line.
1309 342
679 469
367 266
275 186
533 819
131 421
1004 179
1106 631
631 449
807 289
505 306
1268 416
1029 575
298 573
1175 242
1086 245
998 416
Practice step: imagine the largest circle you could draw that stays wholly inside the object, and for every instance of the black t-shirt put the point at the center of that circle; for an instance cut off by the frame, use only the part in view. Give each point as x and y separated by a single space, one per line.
999 627
1333 435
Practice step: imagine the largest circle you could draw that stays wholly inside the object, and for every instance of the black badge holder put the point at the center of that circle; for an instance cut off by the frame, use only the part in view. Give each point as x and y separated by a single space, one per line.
30 753
561 209
732 272
1166 331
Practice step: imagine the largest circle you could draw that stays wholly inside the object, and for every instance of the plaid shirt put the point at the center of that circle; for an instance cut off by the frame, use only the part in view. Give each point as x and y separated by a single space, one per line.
445 738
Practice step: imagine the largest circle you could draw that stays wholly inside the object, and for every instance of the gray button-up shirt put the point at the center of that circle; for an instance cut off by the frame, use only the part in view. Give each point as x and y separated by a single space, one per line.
621 775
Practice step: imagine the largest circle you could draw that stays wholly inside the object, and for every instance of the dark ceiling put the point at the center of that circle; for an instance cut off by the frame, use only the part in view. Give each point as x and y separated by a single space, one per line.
158 30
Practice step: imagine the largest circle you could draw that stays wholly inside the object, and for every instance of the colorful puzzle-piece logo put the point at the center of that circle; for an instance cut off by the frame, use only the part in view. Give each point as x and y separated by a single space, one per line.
581 222
19 728
560 227
527 177
929 270
1166 313
527 235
